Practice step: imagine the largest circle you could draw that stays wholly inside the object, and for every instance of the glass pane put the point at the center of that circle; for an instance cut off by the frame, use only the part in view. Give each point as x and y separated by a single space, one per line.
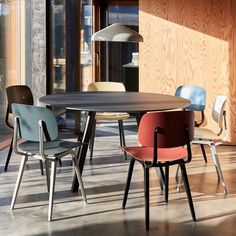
120 55
16 31
127 15
59 49
86 45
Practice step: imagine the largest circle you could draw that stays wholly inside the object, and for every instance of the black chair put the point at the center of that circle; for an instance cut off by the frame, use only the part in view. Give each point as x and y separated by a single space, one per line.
20 94
17 94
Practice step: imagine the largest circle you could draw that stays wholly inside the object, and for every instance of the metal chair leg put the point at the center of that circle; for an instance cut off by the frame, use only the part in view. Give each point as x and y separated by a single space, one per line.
47 174
18 181
180 181
218 167
52 188
122 136
203 152
188 191
146 194
177 173
178 178
131 167
9 155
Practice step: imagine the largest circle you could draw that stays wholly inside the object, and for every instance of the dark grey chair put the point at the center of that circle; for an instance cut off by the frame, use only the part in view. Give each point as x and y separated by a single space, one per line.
17 94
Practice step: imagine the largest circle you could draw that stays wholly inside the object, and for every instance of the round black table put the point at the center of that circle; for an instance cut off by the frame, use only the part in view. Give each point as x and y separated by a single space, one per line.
115 101
92 102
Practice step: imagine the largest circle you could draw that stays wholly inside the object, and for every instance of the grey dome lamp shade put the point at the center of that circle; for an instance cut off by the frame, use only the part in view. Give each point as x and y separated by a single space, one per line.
117 32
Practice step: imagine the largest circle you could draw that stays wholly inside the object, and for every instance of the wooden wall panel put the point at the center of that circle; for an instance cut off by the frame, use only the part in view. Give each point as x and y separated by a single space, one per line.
12 46
190 42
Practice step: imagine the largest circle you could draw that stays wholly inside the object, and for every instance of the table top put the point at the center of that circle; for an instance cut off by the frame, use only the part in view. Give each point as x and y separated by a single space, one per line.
115 101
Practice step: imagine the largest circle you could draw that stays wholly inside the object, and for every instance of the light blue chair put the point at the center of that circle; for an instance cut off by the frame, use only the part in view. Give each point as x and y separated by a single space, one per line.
37 126
197 96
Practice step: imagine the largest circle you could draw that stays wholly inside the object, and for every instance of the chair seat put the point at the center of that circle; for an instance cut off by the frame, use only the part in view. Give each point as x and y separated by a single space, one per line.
52 148
112 116
164 154
205 134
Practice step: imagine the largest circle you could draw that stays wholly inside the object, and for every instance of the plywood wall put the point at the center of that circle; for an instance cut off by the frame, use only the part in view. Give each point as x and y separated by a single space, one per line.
190 42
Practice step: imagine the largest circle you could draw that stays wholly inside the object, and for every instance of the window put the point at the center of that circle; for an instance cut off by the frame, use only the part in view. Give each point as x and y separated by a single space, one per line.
58 45
115 55
11 68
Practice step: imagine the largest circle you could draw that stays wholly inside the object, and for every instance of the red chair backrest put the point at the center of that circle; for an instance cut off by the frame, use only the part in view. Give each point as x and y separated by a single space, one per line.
171 128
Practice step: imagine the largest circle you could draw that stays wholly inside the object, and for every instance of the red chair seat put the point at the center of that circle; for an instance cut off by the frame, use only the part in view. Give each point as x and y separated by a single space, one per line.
164 154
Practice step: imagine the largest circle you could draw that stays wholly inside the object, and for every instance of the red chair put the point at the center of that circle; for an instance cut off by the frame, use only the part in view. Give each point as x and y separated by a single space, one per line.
165 140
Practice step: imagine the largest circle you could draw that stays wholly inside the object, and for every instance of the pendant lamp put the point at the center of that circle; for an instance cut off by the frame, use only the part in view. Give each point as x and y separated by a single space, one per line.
117 32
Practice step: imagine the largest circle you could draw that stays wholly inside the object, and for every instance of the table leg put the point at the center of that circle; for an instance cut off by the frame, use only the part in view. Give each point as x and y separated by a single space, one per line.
139 116
81 155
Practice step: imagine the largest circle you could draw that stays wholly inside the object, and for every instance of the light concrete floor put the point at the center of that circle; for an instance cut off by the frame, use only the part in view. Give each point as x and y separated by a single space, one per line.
104 181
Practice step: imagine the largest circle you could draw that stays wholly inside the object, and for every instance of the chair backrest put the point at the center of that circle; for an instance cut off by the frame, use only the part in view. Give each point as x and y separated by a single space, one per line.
29 117
196 94
106 86
171 128
19 94
218 110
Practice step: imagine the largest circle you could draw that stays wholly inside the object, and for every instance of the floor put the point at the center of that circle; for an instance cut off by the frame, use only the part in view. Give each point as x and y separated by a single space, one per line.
104 181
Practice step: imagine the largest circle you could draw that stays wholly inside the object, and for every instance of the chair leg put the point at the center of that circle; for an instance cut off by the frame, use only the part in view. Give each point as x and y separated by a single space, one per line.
180 181
47 174
161 177
166 183
52 188
188 191
122 136
91 143
41 166
178 178
218 167
177 173
203 152
131 167
78 173
18 181
146 194
9 155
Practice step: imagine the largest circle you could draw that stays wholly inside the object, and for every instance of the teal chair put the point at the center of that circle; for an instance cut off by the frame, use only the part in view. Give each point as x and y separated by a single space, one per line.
197 96
37 126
